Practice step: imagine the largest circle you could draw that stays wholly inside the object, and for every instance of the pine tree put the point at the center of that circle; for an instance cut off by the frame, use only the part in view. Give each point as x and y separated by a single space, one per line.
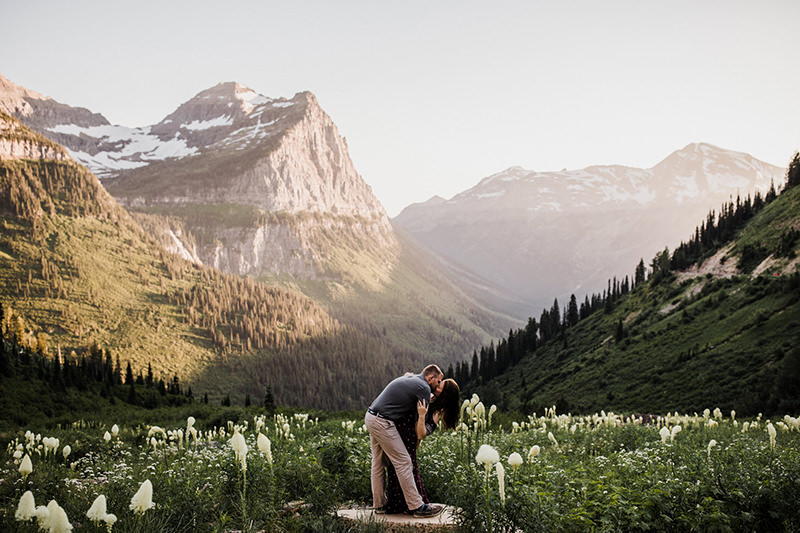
572 311
793 172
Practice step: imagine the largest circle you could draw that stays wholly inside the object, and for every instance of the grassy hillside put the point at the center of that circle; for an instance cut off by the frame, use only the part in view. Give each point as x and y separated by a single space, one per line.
686 341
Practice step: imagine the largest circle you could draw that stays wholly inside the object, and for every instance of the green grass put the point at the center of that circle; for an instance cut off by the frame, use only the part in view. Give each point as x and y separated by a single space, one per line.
708 349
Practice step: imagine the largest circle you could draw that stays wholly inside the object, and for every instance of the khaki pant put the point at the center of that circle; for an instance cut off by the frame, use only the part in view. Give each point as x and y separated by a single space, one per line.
386 443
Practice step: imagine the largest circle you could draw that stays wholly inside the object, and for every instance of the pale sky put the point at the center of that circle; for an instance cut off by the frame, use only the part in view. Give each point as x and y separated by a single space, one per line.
433 96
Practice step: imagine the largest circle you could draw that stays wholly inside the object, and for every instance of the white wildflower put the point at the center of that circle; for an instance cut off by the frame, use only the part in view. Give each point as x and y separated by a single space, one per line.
533 453
264 447
501 476
110 519
97 511
239 446
25 467
26 507
772 434
58 521
487 456
711 444
143 499
42 515
514 460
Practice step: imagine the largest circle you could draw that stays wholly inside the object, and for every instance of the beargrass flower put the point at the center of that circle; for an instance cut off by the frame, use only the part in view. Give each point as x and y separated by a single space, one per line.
479 410
115 430
552 439
110 519
514 460
675 431
26 508
97 511
156 429
533 453
487 456
501 476
66 451
473 401
143 499
59 522
239 446
665 434
772 434
264 447
492 410
107 436
711 444
42 515
25 467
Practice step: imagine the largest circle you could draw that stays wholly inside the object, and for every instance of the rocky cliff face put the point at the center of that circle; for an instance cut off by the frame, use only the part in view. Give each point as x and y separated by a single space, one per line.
221 165
16 142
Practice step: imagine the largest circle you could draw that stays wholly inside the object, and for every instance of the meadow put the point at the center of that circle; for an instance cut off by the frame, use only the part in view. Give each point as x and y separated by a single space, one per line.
288 471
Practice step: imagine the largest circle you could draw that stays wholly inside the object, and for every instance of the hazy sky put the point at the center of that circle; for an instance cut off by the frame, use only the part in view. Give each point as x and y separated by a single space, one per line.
433 96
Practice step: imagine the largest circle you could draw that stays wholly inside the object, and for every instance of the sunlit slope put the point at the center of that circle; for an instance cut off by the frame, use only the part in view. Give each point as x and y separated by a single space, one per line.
722 334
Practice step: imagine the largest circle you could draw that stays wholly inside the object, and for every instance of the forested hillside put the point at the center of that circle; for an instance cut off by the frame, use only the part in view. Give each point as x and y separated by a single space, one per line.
78 272
713 324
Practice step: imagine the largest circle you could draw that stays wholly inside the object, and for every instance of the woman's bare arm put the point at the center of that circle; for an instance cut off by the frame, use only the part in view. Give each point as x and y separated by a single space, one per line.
422 410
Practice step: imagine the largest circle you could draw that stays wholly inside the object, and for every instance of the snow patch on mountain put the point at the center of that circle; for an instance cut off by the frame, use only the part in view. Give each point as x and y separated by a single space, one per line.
128 148
205 124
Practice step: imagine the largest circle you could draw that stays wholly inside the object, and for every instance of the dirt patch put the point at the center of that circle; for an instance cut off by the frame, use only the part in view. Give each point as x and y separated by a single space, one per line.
716 265
401 522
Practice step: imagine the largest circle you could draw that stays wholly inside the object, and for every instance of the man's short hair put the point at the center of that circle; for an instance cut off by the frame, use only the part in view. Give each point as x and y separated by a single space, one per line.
432 370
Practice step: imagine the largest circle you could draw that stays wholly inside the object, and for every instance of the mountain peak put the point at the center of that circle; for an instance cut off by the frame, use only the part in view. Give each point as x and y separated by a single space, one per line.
13 98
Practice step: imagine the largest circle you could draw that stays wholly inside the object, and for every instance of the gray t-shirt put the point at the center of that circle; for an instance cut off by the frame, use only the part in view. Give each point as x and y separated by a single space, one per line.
400 396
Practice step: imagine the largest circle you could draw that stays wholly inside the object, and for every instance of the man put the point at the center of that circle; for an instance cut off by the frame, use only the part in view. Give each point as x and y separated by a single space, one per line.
398 399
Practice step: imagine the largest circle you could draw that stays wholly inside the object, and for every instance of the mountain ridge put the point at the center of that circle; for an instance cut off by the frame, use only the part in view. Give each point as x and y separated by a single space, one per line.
553 228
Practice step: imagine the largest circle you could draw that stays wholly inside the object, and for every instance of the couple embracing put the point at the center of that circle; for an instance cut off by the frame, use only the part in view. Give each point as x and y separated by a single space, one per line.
408 410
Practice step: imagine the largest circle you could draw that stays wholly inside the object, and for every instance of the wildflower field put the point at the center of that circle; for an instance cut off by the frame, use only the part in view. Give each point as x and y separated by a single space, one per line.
290 472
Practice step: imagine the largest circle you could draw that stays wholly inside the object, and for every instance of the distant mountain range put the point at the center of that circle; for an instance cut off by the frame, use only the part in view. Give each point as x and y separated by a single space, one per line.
546 235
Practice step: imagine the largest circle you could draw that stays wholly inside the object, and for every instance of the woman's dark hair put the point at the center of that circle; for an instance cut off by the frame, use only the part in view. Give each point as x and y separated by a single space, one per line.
449 403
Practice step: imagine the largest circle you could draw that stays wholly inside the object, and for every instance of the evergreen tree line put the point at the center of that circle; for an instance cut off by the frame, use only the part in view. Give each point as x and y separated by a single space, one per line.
24 355
718 229
30 189
242 315
554 322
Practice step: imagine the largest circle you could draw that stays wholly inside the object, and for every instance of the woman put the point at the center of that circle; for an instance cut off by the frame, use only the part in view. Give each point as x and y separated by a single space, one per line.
445 407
